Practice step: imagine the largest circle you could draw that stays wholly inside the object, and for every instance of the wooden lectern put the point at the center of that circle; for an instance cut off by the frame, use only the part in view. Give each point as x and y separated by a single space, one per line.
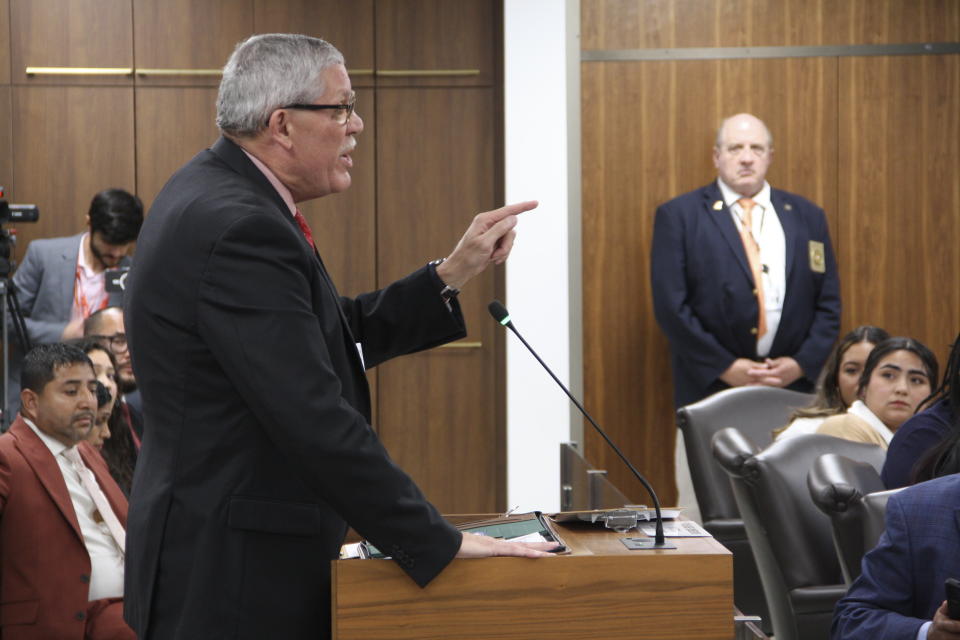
601 590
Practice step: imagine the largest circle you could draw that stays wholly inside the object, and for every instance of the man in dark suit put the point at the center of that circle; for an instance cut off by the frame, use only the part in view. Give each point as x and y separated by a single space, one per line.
257 449
744 279
61 559
900 592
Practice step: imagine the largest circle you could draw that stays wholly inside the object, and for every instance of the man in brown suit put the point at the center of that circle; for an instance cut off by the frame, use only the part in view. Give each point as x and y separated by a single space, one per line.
62 517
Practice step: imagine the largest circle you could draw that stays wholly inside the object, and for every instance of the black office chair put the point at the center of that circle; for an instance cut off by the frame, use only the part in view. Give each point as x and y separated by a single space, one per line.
852 495
756 412
790 538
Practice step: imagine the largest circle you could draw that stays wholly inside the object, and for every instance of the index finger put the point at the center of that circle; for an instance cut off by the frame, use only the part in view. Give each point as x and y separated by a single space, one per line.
512 209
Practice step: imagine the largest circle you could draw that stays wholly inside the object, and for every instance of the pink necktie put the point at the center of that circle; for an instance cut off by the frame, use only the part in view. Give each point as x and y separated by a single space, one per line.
304 227
753 257
89 482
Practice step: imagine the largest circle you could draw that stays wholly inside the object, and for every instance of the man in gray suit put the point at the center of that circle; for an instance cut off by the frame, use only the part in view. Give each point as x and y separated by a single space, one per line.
62 281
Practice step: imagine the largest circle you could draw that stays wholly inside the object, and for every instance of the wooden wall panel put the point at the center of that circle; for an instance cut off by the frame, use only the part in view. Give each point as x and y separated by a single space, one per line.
6 142
187 34
651 24
447 439
900 195
876 141
62 177
78 33
191 113
435 34
347 24
5 42
648 135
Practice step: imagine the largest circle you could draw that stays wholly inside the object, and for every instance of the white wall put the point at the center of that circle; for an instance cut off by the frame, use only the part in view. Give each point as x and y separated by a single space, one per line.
542 298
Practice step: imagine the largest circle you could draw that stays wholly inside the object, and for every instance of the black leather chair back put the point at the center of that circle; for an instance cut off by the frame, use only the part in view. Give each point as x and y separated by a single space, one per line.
790 537
852 495
755 411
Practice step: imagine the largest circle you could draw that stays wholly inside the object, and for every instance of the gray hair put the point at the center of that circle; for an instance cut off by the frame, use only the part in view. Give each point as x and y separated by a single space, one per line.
266 72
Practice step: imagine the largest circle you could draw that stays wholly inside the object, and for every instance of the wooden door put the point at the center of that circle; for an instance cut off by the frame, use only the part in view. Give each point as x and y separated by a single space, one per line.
71 33
71 142
438 413
186 42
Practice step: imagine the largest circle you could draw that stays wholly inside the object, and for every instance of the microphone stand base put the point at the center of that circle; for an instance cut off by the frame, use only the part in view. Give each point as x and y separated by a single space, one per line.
645 544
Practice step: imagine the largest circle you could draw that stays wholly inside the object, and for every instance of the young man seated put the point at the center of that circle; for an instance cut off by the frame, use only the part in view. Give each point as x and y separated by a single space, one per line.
62 517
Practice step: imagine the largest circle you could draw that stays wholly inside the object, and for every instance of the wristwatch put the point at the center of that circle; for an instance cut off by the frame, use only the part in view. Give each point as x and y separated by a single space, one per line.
448 293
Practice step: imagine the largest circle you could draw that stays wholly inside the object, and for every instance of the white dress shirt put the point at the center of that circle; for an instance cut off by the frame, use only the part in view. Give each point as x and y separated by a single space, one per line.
768 232
106 560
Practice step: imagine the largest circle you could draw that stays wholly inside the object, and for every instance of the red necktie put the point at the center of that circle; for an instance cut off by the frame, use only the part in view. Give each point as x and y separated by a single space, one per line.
304 227
753 257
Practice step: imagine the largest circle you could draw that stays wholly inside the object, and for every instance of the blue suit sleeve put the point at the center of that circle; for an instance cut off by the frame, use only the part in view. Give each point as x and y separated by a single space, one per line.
880 602
689 340
826 316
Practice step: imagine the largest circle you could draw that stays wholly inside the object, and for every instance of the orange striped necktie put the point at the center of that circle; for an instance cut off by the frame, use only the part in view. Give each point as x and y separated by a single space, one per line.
753 257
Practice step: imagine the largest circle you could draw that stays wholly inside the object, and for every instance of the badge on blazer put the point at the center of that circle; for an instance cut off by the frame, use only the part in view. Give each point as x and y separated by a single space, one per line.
718 205
818 261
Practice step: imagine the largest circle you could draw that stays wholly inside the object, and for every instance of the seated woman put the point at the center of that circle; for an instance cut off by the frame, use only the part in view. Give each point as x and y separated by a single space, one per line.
118 449
100 431
837 386
928 444
897 377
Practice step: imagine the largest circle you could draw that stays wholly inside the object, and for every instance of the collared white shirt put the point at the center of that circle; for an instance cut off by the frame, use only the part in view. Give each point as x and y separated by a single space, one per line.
91 284
106 561
859 409
768 232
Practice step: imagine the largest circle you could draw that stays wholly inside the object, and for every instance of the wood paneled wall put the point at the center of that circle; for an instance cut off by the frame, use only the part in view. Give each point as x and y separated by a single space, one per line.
874 140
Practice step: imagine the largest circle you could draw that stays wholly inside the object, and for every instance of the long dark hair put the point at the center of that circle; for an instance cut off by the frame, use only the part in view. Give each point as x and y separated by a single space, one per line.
118 451
944 458
828 401
888 346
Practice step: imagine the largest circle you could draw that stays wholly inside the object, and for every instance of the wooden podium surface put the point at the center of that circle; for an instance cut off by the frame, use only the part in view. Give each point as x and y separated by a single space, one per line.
601 590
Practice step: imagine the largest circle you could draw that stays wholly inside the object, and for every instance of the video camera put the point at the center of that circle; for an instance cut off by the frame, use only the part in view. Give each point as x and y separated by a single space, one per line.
12 213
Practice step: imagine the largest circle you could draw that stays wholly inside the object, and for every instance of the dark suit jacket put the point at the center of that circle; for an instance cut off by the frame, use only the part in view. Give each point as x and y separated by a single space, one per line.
901 585
257 447
703 290
44 564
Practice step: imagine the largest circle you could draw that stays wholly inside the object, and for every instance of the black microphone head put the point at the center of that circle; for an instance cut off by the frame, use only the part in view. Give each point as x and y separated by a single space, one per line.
499 312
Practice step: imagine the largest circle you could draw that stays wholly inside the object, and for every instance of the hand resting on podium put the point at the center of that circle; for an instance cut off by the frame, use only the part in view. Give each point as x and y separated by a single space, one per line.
474 546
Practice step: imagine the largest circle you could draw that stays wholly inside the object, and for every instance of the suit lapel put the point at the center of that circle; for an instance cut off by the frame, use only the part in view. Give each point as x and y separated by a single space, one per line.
44 465
722 218
788 220
233 155
68 271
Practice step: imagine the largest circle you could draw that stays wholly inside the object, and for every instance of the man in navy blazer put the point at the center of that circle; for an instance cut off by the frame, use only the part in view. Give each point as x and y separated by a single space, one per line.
257 448
706 295
900 592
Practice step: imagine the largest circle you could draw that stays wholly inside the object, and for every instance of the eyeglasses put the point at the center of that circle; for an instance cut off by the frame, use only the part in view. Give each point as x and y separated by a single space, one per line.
343 111
117 342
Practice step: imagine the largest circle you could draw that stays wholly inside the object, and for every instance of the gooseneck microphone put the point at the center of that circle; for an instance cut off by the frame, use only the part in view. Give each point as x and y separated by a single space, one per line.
501 315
